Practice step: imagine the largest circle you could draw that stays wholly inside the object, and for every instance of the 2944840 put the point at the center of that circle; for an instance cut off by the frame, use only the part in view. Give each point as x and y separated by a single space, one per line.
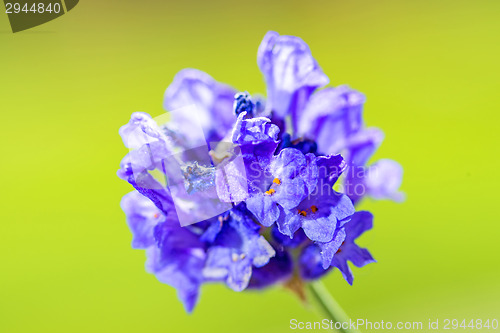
40 8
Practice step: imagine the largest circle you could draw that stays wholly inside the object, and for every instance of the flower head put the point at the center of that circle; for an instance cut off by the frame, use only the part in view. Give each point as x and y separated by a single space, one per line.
256 177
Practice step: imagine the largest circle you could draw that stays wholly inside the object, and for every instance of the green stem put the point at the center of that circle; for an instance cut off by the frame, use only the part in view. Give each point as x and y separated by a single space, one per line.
329 306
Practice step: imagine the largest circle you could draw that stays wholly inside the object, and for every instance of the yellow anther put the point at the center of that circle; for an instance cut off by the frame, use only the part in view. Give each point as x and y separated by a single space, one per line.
277 181
314 209
270 192
302 212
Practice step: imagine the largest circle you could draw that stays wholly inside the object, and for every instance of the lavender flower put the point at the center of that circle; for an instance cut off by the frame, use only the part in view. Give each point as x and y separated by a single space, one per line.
257 177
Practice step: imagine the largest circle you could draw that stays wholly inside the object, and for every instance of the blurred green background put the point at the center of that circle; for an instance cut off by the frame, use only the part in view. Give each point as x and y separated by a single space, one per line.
429 69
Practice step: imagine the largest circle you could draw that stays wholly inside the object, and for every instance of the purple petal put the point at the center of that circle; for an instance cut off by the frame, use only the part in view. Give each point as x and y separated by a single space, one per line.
140 130
360 222
290 71
383 180
213 101
182 272
264 208
329 249
343 209
253 130
283 236
146 185
362 145
361 257
142 217
277 270
290 193
349 251
288 224
309 263
344 269
329 169
320 229
239 274
288 163
331 116
259 250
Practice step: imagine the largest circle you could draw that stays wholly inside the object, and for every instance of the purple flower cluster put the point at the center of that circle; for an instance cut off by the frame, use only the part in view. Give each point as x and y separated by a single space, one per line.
266 167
